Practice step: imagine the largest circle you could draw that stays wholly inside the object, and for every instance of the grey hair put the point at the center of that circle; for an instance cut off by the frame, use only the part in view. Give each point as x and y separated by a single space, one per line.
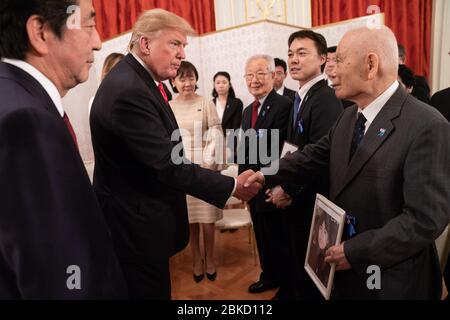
270 61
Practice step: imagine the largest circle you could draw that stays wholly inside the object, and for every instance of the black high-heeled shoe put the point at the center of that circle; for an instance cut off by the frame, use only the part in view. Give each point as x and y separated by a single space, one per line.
211 277
199 278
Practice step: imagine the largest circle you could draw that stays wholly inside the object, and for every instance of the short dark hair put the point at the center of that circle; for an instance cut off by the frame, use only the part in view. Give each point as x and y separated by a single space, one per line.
226 75
407 76
186 69
281 63
319 41
332 49
401 51
14 14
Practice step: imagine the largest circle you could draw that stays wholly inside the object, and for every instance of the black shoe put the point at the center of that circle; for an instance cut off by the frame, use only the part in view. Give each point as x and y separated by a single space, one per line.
260 286
198 278
211 277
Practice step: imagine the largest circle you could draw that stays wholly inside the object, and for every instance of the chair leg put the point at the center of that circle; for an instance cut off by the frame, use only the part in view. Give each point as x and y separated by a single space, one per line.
253 243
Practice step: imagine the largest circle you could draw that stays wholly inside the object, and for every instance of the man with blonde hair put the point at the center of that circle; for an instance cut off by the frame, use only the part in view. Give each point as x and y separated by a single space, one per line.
387 161
140 182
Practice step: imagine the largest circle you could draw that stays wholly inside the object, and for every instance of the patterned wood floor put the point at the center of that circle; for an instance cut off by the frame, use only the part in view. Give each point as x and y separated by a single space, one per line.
236 270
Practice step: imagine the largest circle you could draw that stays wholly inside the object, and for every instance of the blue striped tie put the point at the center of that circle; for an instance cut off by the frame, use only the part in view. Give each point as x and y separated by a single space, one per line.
297 103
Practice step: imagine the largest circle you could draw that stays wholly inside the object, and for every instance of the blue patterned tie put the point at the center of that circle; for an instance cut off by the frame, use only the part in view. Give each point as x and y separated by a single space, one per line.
358 133
297 103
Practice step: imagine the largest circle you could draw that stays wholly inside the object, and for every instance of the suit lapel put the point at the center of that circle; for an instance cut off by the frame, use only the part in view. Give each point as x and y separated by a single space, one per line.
290 129
150 82
247 118
228 111
379 131
305 106
265 109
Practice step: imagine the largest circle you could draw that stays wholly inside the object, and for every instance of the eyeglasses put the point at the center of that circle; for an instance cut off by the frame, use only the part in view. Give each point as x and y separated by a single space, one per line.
258 75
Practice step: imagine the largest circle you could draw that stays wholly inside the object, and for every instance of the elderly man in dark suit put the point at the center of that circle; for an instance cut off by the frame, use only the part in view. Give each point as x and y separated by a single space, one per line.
54 241
141 177
314 112
269 113
387 160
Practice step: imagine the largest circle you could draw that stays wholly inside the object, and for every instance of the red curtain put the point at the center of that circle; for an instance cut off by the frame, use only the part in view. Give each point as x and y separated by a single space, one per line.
410 20
118 16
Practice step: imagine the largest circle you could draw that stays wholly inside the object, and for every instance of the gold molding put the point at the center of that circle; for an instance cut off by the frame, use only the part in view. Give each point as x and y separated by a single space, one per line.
269 21
345 21
264 15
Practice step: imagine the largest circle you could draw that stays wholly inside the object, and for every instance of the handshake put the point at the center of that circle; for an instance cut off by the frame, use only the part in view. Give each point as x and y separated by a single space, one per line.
249 183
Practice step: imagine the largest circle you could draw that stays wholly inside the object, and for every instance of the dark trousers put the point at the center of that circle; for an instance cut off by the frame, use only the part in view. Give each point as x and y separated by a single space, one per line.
148 281
296 283
268 234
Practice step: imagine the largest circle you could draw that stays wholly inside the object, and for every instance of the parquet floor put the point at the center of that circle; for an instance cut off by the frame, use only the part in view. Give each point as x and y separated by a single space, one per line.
236 270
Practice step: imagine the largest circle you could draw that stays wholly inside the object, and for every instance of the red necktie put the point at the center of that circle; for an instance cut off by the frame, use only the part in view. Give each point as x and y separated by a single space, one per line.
163 92
255 108
70 128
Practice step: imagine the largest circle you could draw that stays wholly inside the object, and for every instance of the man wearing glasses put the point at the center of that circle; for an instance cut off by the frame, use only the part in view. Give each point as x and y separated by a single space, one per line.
268 112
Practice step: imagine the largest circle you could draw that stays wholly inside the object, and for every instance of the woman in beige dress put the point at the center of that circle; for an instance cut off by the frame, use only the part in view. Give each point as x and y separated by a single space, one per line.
202 138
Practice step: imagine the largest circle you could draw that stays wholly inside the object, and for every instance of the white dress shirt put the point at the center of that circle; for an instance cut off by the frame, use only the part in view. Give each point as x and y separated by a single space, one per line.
305 88
371 111
281 90
142 63
220 109
261 103
48 86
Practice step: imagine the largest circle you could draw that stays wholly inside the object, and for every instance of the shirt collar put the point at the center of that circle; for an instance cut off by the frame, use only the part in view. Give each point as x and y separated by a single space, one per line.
307 86
281 90
372 110
48 86
142 63
262 100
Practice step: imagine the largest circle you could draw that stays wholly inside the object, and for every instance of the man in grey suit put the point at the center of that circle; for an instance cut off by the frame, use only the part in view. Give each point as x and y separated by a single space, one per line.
387 160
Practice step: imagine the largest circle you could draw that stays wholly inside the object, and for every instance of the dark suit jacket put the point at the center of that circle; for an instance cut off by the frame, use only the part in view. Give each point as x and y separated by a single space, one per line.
274 114
396 186
288 93
421 90
441 101
142 191
232 116
50 219
319 111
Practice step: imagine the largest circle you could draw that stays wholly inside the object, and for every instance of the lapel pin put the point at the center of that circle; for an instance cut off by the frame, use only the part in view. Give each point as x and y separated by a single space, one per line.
381 132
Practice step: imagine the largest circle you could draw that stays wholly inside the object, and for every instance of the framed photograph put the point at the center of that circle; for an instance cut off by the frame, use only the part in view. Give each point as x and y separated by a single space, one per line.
326 230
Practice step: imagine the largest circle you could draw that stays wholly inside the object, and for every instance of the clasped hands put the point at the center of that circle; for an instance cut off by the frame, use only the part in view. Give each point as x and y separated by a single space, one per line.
246 186
249 183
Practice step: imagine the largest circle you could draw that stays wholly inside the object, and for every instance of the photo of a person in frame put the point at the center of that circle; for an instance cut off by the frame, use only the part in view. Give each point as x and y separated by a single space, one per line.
324 236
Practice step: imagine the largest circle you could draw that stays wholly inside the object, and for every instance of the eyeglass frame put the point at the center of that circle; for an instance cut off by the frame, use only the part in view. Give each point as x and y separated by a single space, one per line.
259 75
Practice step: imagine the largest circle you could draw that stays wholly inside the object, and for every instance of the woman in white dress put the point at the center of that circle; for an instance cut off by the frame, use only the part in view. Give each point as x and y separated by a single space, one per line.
202 140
